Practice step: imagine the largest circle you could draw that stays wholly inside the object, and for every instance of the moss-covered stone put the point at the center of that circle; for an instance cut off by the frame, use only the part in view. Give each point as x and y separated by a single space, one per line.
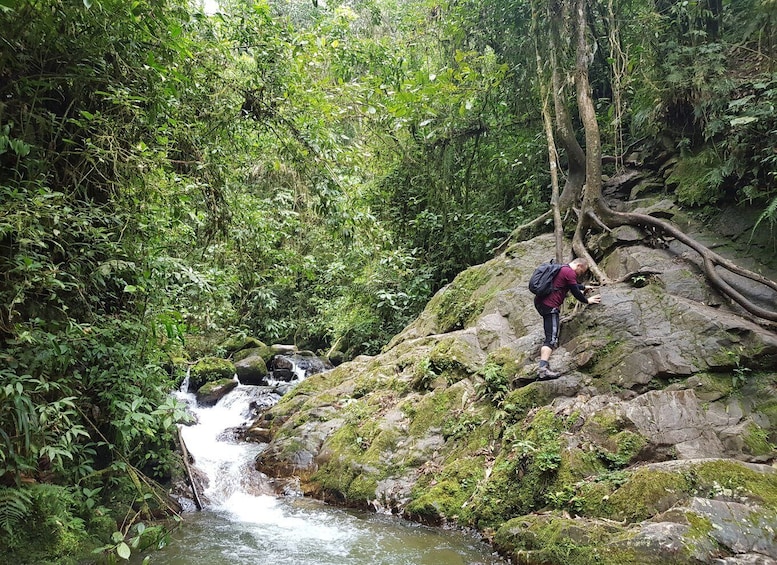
757 441
210 369
517 403
237 343
356 456
460 302
444 496
553 539
452 357
712 477
211 392
523 472
264 351
646 493
430 411
511 362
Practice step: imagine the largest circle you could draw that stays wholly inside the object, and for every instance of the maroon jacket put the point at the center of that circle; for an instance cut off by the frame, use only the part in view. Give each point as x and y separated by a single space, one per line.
566 280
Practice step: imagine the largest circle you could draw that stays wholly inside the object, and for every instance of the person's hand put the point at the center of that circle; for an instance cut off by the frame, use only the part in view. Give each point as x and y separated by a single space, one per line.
595 299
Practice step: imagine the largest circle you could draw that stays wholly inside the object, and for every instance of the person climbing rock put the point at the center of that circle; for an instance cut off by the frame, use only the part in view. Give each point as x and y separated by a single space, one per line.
548 306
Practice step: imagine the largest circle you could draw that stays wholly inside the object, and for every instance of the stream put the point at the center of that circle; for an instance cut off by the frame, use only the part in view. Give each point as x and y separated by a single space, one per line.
244 521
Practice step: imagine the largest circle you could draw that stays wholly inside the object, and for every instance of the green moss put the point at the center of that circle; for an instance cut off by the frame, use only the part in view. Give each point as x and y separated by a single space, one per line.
460 302
461 424
646 493
710 477
237 343
577 465
445 495
451 357
517 403
608 422
713 386
265 352
769 409
362 488
212 386
628 445
757 441
555 540
510 361
700 526
210 369
432 410
522 473
340 465
690 178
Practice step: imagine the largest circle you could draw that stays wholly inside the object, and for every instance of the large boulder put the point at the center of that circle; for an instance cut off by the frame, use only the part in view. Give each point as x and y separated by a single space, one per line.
211 392
446 425
251 370
209 369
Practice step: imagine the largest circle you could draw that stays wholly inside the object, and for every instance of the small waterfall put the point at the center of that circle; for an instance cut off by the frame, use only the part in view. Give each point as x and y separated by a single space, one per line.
244 521
227 462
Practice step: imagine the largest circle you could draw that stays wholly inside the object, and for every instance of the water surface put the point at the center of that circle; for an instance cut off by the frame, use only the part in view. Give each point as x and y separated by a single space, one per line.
244 522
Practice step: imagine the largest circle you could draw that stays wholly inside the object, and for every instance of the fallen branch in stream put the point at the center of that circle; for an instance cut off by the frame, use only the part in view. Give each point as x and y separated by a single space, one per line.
185 453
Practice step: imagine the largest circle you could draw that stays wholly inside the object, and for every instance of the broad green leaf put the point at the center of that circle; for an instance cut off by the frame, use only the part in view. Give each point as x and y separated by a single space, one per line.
123 551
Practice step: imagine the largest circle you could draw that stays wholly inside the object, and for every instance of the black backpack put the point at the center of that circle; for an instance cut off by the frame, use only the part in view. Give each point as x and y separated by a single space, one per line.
541 280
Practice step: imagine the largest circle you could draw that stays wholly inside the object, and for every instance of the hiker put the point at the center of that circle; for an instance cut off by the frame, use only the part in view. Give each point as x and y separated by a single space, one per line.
548 307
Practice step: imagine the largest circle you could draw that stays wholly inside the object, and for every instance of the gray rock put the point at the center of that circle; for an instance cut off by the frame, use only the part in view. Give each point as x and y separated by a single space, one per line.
740 528
251 370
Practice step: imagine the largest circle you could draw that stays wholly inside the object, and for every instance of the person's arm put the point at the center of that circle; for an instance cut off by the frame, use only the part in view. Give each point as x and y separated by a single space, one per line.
577 292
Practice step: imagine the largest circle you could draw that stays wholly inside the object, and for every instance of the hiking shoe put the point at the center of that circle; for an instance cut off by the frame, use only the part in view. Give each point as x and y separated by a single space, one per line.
544 373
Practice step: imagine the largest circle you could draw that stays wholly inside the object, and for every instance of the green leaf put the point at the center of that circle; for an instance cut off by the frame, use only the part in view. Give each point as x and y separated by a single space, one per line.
743 120
123 551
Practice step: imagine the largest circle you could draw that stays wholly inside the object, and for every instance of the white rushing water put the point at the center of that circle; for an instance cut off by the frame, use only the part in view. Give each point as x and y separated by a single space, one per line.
245 523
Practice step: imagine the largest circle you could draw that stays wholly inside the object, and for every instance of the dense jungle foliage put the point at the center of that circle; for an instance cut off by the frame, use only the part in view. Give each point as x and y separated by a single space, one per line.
305 172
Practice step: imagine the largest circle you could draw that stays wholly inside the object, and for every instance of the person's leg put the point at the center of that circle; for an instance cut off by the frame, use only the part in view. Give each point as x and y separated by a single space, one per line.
550 319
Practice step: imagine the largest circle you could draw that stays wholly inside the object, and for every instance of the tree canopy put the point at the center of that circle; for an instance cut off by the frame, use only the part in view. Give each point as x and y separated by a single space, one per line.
313 173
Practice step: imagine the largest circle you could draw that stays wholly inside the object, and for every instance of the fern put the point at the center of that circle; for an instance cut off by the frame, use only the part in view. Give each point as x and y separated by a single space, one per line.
770 213
15 508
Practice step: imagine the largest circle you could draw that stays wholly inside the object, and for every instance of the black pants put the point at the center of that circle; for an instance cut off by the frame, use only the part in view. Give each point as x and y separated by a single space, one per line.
550 322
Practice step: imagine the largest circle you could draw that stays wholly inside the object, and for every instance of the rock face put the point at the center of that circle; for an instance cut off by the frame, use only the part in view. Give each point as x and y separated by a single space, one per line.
654 446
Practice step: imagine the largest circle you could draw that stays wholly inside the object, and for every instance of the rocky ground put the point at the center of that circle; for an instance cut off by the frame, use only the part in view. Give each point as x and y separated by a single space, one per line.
655 445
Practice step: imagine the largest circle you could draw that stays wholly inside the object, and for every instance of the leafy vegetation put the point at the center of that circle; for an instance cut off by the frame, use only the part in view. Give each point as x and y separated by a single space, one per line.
301 173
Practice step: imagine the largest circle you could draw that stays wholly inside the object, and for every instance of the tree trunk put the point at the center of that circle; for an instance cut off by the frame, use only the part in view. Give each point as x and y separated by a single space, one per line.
585 168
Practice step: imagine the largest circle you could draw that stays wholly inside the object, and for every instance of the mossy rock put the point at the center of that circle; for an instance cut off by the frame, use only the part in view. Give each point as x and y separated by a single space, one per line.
444 496
647 493
238 343
519 402
251 370
453 357
210 369
265 352
509 360
523 473
429 412
462 301
213 391
734 477
553 539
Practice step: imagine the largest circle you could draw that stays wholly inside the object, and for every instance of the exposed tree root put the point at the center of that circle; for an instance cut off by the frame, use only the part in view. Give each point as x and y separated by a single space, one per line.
710 259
